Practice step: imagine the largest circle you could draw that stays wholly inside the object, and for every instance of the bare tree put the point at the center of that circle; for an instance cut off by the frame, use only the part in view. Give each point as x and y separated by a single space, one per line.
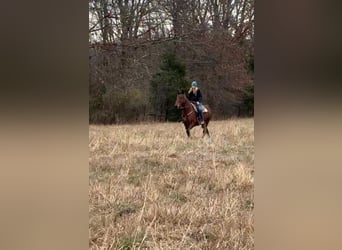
213 38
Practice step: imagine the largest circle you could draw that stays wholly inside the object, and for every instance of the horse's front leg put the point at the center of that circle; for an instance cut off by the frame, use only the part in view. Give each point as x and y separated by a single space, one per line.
187 129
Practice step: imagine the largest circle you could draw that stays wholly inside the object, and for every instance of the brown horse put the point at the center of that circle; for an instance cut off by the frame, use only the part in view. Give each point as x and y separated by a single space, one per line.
189 114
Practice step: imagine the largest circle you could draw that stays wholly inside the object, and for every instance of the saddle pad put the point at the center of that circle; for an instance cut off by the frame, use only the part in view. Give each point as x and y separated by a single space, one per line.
205 110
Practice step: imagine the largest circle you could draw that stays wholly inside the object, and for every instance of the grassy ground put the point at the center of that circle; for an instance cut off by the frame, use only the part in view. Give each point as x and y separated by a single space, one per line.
153 188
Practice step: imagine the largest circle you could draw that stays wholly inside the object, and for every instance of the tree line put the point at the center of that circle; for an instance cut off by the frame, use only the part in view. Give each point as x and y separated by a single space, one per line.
142 51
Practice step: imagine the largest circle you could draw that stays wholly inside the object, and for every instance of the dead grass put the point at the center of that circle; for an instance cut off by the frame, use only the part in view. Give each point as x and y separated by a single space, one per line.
153 188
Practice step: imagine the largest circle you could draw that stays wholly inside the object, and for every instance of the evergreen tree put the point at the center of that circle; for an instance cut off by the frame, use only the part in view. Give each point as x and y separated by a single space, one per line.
165 85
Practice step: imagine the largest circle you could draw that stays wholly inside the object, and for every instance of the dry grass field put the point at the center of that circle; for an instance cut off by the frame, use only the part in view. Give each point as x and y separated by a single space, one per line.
150 187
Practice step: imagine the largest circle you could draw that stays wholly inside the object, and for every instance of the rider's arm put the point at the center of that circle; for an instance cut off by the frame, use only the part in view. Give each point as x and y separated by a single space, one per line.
199 95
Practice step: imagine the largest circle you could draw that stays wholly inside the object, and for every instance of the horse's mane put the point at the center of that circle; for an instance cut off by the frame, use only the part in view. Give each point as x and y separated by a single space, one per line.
187 98
185 95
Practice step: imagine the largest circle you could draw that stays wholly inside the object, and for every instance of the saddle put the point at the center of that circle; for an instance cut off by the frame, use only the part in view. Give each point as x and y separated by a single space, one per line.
205 110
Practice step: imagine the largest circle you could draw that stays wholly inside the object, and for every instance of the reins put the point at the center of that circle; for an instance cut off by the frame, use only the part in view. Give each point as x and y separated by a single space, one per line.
189 113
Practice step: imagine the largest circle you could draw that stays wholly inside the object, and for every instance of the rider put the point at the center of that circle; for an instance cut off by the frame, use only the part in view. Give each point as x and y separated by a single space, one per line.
195 95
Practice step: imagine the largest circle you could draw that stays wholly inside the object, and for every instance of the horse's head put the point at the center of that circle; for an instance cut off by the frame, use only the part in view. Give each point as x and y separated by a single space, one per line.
181 100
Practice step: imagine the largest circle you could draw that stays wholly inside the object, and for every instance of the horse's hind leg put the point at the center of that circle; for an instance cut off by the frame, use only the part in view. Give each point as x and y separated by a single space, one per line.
207 131
204 129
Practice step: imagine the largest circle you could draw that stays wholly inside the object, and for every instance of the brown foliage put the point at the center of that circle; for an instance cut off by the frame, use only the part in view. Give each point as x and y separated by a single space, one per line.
214 39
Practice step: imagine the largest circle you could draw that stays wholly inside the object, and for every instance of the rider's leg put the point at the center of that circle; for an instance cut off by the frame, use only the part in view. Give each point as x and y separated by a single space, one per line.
200 113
